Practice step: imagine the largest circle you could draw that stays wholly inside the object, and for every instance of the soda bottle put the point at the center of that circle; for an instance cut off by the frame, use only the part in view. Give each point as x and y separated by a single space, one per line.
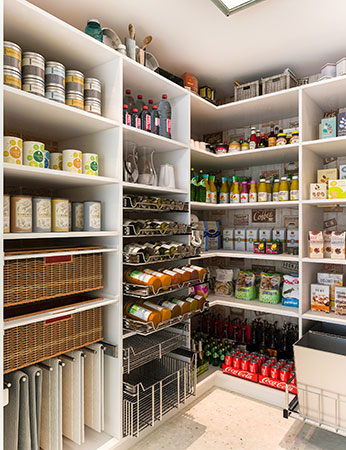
139 103
215 359
126 115
253 192
244 195
165 115
155 120
224 193
272 137
253 139
129 100
145 119
262 191
135 119
150 105
276 189
213 191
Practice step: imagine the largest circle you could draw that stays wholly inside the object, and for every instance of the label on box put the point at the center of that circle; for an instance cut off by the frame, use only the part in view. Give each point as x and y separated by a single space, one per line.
318 191
292 237
336 189
337 243
324 175
316 249
320 297
328 126
333 280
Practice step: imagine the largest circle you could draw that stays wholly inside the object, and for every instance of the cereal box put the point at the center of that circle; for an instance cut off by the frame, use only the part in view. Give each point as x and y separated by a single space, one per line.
324 175
318 191
327 234
337 244
251 238
228 239
336 189
328 126
316 249
333 280
320 297
290 291
340 300
239 239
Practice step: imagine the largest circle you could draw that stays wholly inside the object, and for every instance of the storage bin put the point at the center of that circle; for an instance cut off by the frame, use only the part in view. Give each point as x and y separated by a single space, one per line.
341 67
28 344
35 279
278 82
247 90
328 70
320 361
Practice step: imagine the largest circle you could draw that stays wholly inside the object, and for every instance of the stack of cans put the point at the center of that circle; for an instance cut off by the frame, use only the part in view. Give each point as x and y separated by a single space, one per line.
92 95
55 81
75 89
12 65
33 73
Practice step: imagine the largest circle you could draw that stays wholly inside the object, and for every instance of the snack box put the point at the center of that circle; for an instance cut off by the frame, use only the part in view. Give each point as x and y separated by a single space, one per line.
337 244
340 300
251 238
327 235
239 239
328 126
265 234
333 280
342 171
259 247
290 291
324 175
336 189
274 248
316 248
320 297
318 191
228 239
341 124
280 234
292 237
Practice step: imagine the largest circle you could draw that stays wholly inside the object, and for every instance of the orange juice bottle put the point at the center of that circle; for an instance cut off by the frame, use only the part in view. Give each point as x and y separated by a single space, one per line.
207 189
142 314
166 314
294 192
276 189
269 191
262 194
236 193
253 192
284 193
213 191
224 191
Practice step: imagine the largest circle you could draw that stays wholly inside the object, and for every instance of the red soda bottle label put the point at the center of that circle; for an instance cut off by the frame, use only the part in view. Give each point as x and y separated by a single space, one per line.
138 122
169 126
127 119
148 122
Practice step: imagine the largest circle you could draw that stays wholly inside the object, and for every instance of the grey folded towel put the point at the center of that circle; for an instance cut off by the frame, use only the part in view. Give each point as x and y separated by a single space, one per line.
34 374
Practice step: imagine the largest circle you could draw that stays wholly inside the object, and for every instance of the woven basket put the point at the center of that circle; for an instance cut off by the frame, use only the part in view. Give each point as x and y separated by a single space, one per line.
35 342
278 83
247 90
36 279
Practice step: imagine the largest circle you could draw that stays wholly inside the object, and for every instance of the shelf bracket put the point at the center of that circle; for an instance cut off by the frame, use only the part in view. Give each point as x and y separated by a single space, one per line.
110 349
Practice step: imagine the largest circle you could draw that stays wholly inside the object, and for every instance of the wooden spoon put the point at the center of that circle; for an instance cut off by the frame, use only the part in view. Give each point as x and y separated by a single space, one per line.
132 31
146 42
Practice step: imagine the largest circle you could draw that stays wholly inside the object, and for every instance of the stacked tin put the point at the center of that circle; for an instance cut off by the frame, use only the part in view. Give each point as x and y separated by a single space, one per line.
92 95
55 81
33 73
12 65
75 89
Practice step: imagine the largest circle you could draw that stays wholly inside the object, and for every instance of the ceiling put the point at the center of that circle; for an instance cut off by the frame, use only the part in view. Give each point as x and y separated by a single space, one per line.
195 36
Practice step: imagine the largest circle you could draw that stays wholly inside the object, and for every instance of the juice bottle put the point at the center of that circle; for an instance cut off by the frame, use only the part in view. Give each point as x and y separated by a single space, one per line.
294 193
253 192
262 191
138 312
235 194
193 187
253 139
276 189
230 186
269 191
224 192
272 137
207 189
245 145
213 191
202 188
244 195
165 312
284 190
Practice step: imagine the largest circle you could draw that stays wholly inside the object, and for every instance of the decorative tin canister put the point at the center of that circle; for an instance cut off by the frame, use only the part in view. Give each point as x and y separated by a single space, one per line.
33 66
13 150
55 74
41 214
12 57
90 163
34 154
72 161
21 214
60 214
56 161
12 78
92 216
74 99
6 217
77 216
46 159
33 85
74 82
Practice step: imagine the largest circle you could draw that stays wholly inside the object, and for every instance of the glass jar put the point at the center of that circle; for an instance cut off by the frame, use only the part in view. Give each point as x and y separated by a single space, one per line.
234 146
221 148
295 137
281 139
93 29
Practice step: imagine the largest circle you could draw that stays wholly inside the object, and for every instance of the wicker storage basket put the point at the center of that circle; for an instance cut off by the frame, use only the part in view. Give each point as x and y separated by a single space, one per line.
247 90
278 83
34 342
36 279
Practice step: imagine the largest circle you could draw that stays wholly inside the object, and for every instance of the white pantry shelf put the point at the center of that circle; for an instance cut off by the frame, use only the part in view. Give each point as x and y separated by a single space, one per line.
324 261
147 189
247 255
62 253
158 143
32 176
257 205
30 113
326 203
55 235
252 305
321 316
335 146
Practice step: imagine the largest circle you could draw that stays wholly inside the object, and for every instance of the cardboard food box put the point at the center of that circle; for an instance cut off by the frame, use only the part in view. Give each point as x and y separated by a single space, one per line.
342 171
265 234
327 234
211 234
324 175
316 249
274 248
341 124
228 239
292 237
328 126
337 244
239 239
336 189
280 235
320 298
251 238
290 291
259 247
318 191
333 280
340 300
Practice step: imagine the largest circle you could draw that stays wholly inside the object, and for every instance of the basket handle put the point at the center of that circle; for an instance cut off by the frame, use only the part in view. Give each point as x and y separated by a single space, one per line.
58 259
58 318
275 80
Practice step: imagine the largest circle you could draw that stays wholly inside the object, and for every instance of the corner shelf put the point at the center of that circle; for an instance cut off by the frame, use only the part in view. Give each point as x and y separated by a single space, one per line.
257 205
157 142
247 255
147 189
55 235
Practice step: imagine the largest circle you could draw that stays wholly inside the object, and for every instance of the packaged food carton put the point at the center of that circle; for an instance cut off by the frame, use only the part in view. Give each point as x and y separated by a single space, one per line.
274 248
341 124
337 244
259 247
290 291
251 238
320 298
325 175
333 280
328 126
265 234
228 239
316 249
340 300
224 282
239 239
318 191
342 171
327 234
336 189
292 237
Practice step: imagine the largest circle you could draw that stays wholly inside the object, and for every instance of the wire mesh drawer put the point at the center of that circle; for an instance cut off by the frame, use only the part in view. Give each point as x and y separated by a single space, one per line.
36 279
247 90
153 390
278 83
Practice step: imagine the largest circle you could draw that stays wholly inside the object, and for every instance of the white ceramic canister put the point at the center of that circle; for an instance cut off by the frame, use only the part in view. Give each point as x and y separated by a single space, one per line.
77 216
90 163
46 159
33 85
13 150
60 214
72 160
12 57
34 154
55 161
6 217
92 216
41 214
33 66
21 214
12 78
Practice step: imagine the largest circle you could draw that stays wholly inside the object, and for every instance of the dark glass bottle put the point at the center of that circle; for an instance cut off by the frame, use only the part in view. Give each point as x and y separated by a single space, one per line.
126 115
155 120
135 119
145 119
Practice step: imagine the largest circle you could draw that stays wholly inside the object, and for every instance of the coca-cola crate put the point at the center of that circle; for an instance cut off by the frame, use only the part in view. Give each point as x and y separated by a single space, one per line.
240 373
277 384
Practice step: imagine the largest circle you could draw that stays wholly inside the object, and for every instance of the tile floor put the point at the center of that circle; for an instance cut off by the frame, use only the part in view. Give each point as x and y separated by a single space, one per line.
223 420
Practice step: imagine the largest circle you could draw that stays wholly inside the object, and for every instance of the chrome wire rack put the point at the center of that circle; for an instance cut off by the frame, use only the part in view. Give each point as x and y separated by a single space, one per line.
138 259
147 204
139 350
154 389
177 230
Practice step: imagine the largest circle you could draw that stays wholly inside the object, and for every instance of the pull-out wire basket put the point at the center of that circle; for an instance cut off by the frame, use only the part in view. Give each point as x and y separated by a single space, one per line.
139 259
147 203
175 230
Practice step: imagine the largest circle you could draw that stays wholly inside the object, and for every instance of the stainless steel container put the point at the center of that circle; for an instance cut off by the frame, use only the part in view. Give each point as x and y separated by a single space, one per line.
55 74
33 66
77 216
41 214
12 78
74 82
34 86
75 100
12 57
56 93
92 89
92 106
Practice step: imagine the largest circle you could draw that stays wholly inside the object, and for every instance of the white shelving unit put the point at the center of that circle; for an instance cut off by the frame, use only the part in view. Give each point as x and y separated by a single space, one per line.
36 30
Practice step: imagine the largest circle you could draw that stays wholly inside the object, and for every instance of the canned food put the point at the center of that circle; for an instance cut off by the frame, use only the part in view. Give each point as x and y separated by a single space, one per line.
92 106
60 214
274 372
33 85
92 216
75 100
55 93
33 66
253 366
244 364
55 74
12 56
34 154
6 217
69 216
56 161
236 362
90 163
74 81
21 214
284 375
13 150
72 160
42 214
12 78
77 216
265 370
92 89
228 360
46 159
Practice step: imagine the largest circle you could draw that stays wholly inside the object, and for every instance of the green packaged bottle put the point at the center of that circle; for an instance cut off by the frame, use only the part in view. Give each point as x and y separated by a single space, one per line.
194 186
